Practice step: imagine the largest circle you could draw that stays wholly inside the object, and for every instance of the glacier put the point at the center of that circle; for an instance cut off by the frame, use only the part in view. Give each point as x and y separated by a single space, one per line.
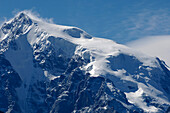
49 68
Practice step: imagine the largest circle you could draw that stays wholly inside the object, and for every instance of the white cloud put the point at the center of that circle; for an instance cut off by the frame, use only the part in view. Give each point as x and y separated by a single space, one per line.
158 46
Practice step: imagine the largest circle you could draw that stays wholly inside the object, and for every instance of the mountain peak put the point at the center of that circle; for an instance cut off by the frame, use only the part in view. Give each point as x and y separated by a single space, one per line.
24 19
18 24
22 15
58 67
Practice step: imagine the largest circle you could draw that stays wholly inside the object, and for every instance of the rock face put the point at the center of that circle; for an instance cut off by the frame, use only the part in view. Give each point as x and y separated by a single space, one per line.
58 69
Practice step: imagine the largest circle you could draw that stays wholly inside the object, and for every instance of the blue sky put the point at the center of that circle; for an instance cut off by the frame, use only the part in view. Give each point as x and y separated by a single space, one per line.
119 20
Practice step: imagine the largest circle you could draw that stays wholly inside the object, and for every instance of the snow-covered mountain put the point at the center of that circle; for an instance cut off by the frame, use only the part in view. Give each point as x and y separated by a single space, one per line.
59 69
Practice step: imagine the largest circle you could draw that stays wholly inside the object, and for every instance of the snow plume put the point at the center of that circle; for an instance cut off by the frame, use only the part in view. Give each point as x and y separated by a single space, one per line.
158 46
34 15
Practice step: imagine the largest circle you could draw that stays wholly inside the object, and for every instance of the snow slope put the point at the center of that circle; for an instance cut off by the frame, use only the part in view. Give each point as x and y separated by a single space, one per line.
43 53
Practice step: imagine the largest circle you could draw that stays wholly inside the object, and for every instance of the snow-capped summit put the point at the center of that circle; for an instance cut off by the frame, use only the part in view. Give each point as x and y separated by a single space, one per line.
62 69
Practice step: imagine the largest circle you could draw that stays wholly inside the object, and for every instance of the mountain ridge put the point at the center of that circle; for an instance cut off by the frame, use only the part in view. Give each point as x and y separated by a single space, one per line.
59 66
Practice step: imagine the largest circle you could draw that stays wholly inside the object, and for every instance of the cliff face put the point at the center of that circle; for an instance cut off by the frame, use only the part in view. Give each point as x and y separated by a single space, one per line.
59 69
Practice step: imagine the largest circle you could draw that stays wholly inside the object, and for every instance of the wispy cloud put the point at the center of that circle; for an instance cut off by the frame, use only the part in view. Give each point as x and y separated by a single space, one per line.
151 20
158 46
148 23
